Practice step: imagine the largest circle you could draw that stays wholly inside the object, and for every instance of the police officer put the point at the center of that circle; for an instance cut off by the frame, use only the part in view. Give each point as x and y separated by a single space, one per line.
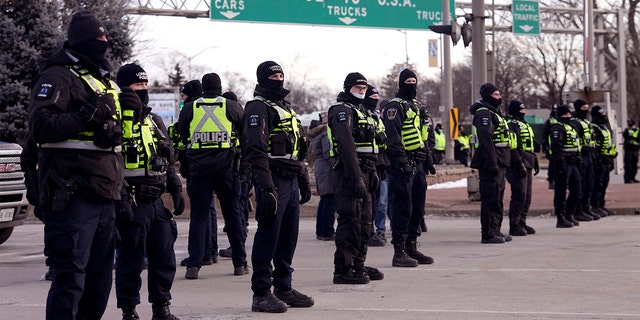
74 115
545 144
519 173
408 154
607 152
354 148
275 147
564 145
440 146
462 146
492 158
211 127
631 147
582 125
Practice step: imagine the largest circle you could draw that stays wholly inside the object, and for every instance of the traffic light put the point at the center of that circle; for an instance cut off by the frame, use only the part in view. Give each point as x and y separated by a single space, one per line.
453 30
466 34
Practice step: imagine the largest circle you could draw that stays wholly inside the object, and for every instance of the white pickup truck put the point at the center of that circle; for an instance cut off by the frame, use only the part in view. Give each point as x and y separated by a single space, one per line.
13 193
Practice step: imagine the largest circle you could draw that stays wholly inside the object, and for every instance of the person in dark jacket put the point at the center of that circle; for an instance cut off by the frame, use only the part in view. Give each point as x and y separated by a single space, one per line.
275 147
553 119
146 227
631 148
564 145
410 161
354 150
582 125
321 148
606 155
210 128
492 157
74 113
519 174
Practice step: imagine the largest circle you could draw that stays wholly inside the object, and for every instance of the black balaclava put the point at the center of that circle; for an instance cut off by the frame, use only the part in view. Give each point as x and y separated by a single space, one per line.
407 91
83 30
264 71
578 105
370 103
132 73
485 92
192 89
230 96
351 80
515 109
439 127
598 115
562 110
211 85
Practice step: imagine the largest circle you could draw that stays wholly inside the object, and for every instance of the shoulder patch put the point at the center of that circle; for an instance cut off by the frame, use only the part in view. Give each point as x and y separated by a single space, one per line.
254 120
45 91
342 116
485 121
555 134
391 113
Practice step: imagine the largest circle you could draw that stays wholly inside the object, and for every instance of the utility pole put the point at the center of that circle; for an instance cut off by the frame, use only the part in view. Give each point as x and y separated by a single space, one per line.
478 46
447 85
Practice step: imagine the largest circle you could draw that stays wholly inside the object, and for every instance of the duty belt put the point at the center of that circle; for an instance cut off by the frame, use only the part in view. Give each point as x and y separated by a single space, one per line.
367 165
144 192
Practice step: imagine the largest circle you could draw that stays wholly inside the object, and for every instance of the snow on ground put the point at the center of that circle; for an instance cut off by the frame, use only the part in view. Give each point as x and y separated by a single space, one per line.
462 183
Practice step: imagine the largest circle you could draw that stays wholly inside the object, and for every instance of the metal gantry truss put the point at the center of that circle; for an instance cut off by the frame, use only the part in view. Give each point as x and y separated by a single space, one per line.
176 8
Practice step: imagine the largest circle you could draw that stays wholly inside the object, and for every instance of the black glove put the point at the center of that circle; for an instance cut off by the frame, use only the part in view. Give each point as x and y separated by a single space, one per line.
359 189
129 100
374 181
269 201
31 182
104 108
429 168
178 203
305 187
536 167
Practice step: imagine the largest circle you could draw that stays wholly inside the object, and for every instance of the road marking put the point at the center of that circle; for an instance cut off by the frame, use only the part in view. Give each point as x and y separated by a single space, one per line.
585 314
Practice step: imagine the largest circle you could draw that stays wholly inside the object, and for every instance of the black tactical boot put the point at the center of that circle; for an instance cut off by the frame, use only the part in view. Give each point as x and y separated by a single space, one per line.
373 273
590 213
581 216
351 277
294 298
599 211
517 231
130 314
569 217
523 224
268 303
563 223
401 258
412 250
161 311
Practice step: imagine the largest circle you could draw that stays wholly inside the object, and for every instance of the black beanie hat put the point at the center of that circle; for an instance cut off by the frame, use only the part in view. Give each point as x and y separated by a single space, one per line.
230 96
515 106
486 90
563 109
578 104
267 69
192 88
211 82
597 111
129 74
371 90
406 74
83 27
352 79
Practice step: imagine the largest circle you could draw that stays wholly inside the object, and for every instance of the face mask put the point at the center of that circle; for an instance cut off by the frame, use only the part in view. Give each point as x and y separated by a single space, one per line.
273 85
144 96
370 103
359 96
566 120
408 90
582 114
94 49
493 101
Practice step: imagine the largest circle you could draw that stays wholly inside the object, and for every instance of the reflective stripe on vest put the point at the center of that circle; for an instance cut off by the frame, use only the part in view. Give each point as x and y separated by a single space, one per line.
411 128
606 147
571 141
363 133
289 125
84 140
501 137
210 128
440 141
526 135
464 142
633 133
587 139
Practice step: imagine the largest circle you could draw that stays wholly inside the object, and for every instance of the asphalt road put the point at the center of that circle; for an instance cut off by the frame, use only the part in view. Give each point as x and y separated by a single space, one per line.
588 272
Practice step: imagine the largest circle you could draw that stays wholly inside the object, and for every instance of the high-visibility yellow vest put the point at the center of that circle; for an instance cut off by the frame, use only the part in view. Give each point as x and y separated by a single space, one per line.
210 128
501 136
606 147
411 128
526 135
364 133
587 139
142 149
288 127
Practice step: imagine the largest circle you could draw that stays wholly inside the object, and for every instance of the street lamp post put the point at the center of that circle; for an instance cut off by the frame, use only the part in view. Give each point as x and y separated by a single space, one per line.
189 58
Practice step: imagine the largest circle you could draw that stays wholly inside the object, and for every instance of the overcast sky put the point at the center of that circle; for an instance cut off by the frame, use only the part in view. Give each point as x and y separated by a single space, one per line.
323 54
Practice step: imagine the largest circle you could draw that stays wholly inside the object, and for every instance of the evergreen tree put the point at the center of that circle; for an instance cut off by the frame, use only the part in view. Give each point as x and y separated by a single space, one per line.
176 79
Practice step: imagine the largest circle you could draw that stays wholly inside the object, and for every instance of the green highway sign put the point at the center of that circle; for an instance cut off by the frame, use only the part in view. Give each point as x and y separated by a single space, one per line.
393 14
526 17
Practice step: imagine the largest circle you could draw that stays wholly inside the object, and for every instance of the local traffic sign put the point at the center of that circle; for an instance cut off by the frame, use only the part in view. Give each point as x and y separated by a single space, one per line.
393 14
526 17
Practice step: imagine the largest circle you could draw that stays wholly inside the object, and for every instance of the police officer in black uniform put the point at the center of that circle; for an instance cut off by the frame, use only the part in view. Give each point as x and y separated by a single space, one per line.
275 147
607 152
408 153
354 149
564 145
519 174
582 125
631 148
146 227
211 127
74 115
492 158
